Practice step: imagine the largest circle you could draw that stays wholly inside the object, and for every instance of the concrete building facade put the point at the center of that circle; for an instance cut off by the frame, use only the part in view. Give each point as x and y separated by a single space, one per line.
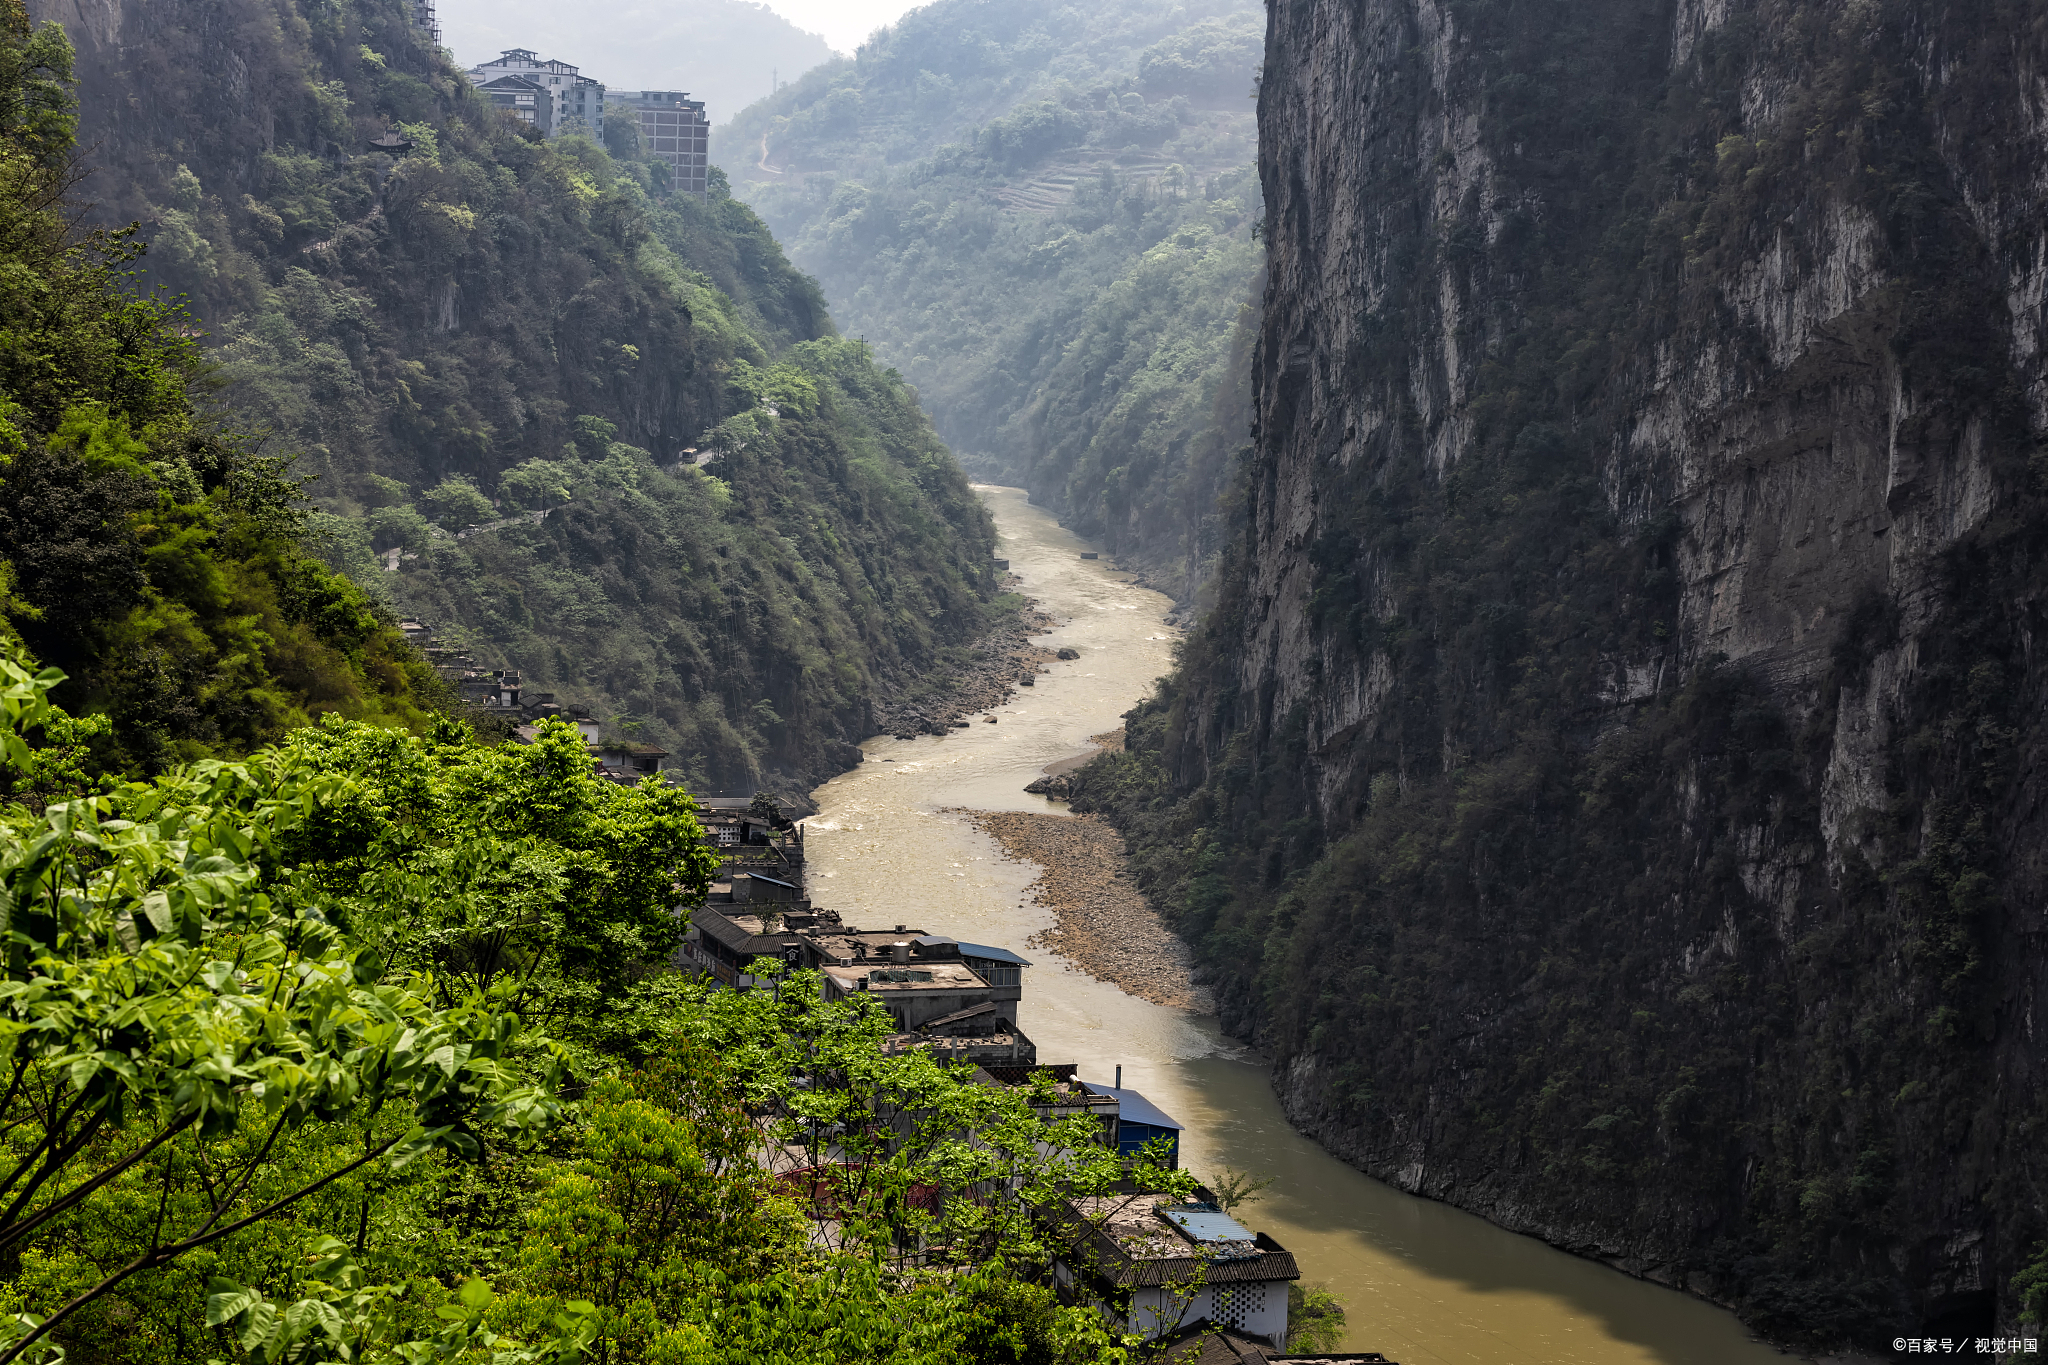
674 130
576 103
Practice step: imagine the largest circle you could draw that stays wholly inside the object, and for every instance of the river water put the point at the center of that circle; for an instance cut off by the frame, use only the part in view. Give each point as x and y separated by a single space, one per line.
1422 1282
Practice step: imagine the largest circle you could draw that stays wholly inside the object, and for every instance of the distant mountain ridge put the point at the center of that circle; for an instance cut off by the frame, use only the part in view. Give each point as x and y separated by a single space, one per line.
1042 214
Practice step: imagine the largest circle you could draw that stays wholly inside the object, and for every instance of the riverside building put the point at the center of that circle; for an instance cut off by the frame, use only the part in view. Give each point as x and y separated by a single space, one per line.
1155 1266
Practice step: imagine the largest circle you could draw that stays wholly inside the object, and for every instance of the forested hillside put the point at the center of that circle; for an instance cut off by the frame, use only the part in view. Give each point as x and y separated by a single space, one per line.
360 1051
1610 783
149 546
1044 216
482 326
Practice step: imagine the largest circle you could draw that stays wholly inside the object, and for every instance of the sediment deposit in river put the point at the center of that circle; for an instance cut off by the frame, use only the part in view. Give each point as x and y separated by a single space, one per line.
892 844
1101 921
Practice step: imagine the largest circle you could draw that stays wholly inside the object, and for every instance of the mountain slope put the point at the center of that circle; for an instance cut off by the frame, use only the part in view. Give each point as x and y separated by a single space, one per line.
487 325
1043 216
148 548
1610 783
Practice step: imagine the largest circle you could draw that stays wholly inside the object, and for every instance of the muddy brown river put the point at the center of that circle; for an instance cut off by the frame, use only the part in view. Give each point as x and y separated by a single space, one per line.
1421 1282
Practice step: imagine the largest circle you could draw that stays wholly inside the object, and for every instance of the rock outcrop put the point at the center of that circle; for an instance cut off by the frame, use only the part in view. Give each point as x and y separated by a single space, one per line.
1616 758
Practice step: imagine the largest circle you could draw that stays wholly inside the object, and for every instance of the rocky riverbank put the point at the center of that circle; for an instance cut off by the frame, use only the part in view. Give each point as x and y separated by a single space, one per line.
969 681
1058 781
1102 924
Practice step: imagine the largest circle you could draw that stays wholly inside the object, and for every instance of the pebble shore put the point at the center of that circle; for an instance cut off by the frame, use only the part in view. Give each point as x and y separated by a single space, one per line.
1102 923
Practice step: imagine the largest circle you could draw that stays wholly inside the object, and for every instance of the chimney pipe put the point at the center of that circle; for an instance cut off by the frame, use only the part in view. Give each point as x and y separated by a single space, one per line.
1119 1078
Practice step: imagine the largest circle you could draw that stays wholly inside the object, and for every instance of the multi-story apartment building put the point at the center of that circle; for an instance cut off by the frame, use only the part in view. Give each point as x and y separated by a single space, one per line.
522 99
672 129
576 103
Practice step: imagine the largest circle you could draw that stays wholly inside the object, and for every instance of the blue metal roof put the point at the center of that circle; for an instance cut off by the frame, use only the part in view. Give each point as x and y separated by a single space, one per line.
1132 1107
993 954
1206 1223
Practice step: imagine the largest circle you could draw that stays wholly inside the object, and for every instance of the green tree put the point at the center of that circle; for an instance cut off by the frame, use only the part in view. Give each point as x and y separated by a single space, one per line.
456 503
167 1027
1233 1188
2030 1286
1315 1319
512 867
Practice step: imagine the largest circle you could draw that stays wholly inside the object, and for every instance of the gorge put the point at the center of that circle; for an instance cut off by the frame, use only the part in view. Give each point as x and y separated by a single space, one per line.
1609 780
1597 449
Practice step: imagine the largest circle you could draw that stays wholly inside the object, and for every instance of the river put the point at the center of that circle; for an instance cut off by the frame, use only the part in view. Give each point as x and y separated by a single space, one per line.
1422 1282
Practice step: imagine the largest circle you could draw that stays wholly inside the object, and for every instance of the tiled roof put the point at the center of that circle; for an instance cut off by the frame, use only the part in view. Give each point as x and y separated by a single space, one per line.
1207 1343
1096 1250
734 936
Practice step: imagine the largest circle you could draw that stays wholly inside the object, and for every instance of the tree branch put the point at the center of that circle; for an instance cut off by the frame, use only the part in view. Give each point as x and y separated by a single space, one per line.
12 1233
162 1256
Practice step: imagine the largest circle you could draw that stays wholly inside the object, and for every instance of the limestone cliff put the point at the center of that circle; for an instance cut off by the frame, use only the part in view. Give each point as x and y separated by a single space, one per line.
1612 781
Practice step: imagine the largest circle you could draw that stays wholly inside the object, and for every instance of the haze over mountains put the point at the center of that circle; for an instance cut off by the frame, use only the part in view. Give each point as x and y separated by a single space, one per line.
724 52
1043 215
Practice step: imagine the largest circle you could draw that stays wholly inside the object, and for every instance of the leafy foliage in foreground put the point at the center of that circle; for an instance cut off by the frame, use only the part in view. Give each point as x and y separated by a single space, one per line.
189 1056
272 1090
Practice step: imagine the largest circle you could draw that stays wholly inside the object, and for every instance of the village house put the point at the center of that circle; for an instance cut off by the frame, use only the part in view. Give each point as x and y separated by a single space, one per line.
978 1035
1054 1094
723 940
1128 1120
918 978
1155 1265
927 982
751 846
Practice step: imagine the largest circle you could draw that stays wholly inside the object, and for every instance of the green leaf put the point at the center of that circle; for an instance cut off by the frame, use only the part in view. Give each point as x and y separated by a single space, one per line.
226 1301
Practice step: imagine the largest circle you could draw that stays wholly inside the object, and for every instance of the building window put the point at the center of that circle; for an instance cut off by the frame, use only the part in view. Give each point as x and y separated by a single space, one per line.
1234 1304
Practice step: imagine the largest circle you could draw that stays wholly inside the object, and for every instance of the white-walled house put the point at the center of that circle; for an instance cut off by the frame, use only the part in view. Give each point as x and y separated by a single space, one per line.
1155 1265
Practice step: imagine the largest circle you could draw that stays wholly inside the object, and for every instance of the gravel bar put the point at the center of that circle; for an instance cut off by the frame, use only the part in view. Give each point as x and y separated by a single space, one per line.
1102 923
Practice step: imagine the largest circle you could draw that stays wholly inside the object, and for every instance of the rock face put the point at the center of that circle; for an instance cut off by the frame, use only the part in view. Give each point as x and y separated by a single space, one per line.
1618 739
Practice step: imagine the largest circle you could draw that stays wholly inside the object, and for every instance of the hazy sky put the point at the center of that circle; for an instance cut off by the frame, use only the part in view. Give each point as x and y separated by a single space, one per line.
844 23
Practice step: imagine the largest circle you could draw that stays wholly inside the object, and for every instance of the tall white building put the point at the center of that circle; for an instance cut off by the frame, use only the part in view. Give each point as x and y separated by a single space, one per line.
576 103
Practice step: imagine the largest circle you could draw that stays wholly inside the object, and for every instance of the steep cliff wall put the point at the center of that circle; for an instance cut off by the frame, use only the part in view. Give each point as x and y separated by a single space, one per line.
1612 781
